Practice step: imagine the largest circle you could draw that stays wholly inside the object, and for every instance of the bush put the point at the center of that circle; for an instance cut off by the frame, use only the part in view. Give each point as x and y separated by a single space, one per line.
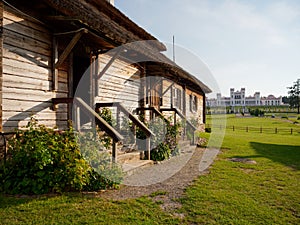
43 160
106 114
256 112
284 117
298 118
165 141
161 152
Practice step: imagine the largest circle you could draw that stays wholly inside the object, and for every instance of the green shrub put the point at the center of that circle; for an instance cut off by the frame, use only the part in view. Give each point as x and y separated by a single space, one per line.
298 118
256 112
43 160
166 144
161 152
106 114
104 174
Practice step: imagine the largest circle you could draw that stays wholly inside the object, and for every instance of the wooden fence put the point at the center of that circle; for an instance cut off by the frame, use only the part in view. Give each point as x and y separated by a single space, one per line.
274 130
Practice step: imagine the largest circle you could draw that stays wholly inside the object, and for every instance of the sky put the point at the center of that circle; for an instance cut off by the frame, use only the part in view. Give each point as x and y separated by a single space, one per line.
253 44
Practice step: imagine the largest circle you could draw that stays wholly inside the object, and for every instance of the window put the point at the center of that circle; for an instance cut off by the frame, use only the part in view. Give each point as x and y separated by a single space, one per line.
193 103
177 95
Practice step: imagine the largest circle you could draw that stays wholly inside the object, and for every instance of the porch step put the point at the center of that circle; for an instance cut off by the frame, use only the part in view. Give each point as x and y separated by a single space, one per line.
133 166
128 157
185 146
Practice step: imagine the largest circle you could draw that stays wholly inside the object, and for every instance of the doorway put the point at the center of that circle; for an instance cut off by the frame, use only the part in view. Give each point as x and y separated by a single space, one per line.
81 82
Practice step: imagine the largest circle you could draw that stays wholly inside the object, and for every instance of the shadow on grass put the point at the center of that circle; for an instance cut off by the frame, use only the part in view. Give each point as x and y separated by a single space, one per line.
287 155
7 201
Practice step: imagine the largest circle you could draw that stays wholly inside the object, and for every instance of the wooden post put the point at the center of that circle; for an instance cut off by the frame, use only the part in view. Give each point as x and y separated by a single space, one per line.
291 130
96 80
148 147
193 141
71 86
260 129
118 119
54 61
92 85
134 133
276 130
175 118
233 128
77 117
114 151
247 129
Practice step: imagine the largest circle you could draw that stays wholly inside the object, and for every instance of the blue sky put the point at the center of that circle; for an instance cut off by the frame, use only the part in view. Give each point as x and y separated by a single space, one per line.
253 44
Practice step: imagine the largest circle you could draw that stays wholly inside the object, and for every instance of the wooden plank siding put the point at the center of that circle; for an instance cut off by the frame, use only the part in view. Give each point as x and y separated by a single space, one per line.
190 114
195 114
120 83
1 66
27 74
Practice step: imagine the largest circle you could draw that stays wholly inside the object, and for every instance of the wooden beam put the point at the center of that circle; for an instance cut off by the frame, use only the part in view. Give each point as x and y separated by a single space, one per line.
70 46
167 89
115 56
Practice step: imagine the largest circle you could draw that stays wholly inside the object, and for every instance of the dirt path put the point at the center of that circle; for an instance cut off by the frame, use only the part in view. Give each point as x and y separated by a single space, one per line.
174 186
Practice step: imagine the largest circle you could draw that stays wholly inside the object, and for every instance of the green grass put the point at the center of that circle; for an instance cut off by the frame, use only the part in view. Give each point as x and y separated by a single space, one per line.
238 193
232 193
75 209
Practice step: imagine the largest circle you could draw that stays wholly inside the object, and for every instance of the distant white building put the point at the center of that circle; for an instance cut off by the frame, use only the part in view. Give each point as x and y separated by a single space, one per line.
238 98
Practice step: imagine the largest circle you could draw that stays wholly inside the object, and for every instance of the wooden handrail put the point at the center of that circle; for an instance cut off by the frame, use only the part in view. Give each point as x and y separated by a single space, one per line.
115 135
156 111
185 119
181 115
135 120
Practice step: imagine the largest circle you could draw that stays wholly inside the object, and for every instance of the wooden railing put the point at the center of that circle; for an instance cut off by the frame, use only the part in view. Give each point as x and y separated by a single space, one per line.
155 111
185 120
136 122
79 105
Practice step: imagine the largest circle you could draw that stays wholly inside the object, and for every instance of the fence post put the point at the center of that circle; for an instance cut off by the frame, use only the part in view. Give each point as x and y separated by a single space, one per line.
260 129
291 130
247 129
233 128
276 130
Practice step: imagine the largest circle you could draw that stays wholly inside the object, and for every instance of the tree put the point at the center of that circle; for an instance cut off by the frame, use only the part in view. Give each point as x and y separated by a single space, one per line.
294 92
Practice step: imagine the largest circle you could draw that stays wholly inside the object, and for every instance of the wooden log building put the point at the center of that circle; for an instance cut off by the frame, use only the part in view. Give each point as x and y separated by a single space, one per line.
47 46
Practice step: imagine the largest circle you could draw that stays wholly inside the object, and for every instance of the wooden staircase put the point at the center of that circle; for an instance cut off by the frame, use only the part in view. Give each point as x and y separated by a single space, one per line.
126 154
131 162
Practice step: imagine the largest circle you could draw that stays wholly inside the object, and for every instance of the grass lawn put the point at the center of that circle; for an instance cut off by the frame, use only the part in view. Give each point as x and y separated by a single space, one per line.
232 193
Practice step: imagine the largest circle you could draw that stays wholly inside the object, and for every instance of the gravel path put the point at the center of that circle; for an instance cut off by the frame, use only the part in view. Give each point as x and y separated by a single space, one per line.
171 177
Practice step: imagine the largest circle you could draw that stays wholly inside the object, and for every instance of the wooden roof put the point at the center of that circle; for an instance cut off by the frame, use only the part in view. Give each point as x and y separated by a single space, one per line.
103 18
108 28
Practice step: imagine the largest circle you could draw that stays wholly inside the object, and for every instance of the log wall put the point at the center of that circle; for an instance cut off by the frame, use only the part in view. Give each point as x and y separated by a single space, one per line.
190 114
27 87
120 83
